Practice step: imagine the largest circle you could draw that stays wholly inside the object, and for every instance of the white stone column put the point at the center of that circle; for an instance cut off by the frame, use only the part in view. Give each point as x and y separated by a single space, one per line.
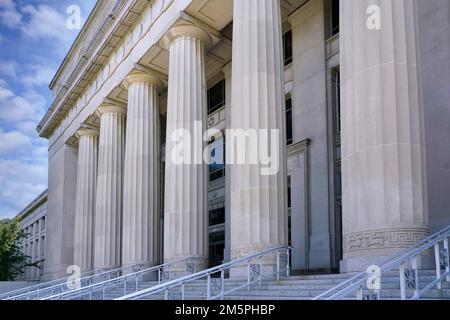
85 197
108 209
258 202
228 83
384 190
185 206
140 202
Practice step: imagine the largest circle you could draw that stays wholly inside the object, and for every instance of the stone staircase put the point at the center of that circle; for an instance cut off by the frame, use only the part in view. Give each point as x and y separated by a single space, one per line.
289 288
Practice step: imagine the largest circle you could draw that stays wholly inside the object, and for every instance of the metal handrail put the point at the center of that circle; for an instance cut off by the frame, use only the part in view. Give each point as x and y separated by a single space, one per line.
253 275
101 286
63 282
400 262
40 286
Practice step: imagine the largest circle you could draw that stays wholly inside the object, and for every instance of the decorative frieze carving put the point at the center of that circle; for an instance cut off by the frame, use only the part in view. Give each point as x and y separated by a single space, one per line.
383 239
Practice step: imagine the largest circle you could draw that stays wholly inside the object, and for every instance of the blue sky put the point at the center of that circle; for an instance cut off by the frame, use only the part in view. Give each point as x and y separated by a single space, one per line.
34 40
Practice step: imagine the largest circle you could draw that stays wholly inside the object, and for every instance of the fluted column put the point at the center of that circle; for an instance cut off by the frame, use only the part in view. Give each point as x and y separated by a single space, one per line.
384 190
85 197
185 219
258 201
140 190
108 212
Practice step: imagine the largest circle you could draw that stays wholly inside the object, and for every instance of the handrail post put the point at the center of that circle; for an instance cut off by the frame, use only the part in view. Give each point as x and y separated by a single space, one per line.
182 291
278 265
248 275
136 281
437 258
416 274
159 275
260 271
402 281
208 287
359 293
166 294
447 267
125 286
288 263
222 286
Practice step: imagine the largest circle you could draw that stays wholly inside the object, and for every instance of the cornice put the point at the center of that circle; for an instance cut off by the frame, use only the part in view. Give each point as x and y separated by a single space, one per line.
122 18
39 200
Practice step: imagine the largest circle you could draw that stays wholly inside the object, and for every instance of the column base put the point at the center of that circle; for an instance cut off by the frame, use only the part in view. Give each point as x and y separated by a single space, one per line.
360 264
183 268
139 266
267 267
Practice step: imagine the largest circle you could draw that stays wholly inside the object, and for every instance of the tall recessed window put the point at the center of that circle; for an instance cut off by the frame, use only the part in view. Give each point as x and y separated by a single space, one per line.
289 138
217 168
287 47
289 190
334 17
337 155
216 97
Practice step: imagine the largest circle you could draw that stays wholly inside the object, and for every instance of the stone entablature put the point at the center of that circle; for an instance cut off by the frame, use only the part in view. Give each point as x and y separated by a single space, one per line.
55 123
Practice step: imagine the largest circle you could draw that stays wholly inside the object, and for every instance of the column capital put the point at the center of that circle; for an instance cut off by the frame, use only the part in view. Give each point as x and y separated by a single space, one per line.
187 30
142 77
107 107
87 130
227 69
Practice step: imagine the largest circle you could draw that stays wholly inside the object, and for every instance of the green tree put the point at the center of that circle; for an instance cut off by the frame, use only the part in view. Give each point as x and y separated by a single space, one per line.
12 260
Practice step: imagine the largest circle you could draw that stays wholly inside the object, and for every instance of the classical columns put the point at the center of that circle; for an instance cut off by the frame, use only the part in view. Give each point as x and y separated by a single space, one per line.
384 190
258 201
108 213
140 189
85 197
185 219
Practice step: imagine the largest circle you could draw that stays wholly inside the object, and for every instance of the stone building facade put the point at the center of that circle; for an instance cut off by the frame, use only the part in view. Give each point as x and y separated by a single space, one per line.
363 112
33 223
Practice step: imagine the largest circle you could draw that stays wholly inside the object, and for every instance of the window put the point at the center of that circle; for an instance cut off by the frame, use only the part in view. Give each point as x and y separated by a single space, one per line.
217 168
289 138
216 217
163 123
334 17
287 48
337 154
289 190
216 97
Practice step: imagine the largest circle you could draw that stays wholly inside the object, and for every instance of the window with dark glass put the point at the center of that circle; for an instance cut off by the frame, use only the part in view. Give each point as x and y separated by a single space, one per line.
287 47
337 151
217 168
334 17
289 190
163 123
216 216
216 248
289 139
216 97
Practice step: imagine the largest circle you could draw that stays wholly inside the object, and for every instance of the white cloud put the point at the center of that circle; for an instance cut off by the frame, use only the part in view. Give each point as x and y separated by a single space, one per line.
9 68
13 143
20 182
5 93
29 106
39 75
46 23
9 15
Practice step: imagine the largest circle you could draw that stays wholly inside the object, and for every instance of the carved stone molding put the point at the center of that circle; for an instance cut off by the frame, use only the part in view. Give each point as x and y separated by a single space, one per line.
383 239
